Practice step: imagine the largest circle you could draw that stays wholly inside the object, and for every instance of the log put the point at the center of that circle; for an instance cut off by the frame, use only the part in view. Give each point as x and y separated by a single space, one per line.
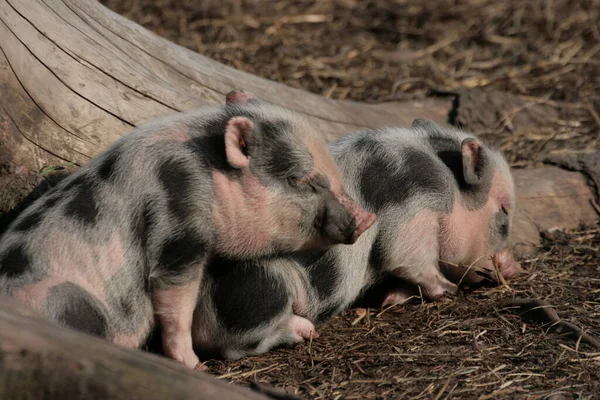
41 360
76 76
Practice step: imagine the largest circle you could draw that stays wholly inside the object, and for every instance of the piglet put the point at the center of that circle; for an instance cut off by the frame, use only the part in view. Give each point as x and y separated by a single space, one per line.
441 195
126 238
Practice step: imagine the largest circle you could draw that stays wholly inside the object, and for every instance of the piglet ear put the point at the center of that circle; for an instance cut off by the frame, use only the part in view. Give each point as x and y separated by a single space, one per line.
474 161
238 97
238 135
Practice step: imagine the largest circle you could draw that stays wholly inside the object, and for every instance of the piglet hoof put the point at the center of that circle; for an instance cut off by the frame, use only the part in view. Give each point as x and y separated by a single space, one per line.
187 358
200 367
303 328
397 296
444 289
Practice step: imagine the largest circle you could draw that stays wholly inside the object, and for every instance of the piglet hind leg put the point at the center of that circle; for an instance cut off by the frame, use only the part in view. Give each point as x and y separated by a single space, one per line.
302 328
436 285
174 307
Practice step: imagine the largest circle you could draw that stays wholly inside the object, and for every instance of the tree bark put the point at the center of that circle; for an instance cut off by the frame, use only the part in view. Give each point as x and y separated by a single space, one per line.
76 76
40 360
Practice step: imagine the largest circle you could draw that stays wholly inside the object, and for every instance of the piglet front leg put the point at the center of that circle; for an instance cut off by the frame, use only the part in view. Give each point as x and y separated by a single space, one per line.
415 255
174 308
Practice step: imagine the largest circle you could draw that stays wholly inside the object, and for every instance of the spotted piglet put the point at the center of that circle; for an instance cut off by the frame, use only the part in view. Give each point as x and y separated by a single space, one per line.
440 195
127 237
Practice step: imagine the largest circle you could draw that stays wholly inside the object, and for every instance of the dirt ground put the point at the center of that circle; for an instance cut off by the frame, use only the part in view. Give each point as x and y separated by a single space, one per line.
476 345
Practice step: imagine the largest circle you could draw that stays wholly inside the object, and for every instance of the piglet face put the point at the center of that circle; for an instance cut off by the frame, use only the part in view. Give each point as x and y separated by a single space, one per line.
304 173
305 206
479 233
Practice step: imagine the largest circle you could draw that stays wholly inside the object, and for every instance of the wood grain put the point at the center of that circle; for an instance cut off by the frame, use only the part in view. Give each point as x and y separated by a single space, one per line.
41 360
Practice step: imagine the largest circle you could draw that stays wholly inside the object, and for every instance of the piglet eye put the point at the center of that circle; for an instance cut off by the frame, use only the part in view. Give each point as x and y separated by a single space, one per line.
504 210
299 183
293 181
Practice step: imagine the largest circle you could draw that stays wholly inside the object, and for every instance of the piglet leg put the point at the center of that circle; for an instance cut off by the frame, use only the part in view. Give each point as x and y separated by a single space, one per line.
174 307
415 256
435 284
302 328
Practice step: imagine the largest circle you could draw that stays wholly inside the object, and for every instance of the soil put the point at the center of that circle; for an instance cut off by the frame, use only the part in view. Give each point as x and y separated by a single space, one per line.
544 57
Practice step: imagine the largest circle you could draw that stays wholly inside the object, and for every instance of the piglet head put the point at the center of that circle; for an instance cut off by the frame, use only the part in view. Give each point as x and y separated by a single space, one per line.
308 206
477 231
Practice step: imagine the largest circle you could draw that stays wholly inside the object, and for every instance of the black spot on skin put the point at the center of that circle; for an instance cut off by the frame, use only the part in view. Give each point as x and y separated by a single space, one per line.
106 170
244 295
270 150
29 221
382 183
68 184
83 206
177 179
500 225
35 217
51 201
327 314
180 253
143 222
377 256
77 309
211 146
383 283
279 159
126 307
454 162
322 271
14 262
365 142
449 151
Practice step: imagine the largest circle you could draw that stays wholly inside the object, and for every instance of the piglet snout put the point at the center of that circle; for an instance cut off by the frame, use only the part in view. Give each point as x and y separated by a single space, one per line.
362 218
506 264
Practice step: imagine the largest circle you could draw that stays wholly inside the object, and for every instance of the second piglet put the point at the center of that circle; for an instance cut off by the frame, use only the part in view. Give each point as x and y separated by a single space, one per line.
440 195
126 237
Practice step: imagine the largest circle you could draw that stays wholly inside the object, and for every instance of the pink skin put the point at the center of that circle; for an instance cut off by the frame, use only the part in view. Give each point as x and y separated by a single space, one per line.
302 328
106 260
364 219
506 264
35 295
462 237
414 255
174 308
238 133
69 254
465 238
399 295
325 165
241 207
238 97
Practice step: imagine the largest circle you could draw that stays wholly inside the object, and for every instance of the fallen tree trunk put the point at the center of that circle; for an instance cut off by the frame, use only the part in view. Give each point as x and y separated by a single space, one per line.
40 360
